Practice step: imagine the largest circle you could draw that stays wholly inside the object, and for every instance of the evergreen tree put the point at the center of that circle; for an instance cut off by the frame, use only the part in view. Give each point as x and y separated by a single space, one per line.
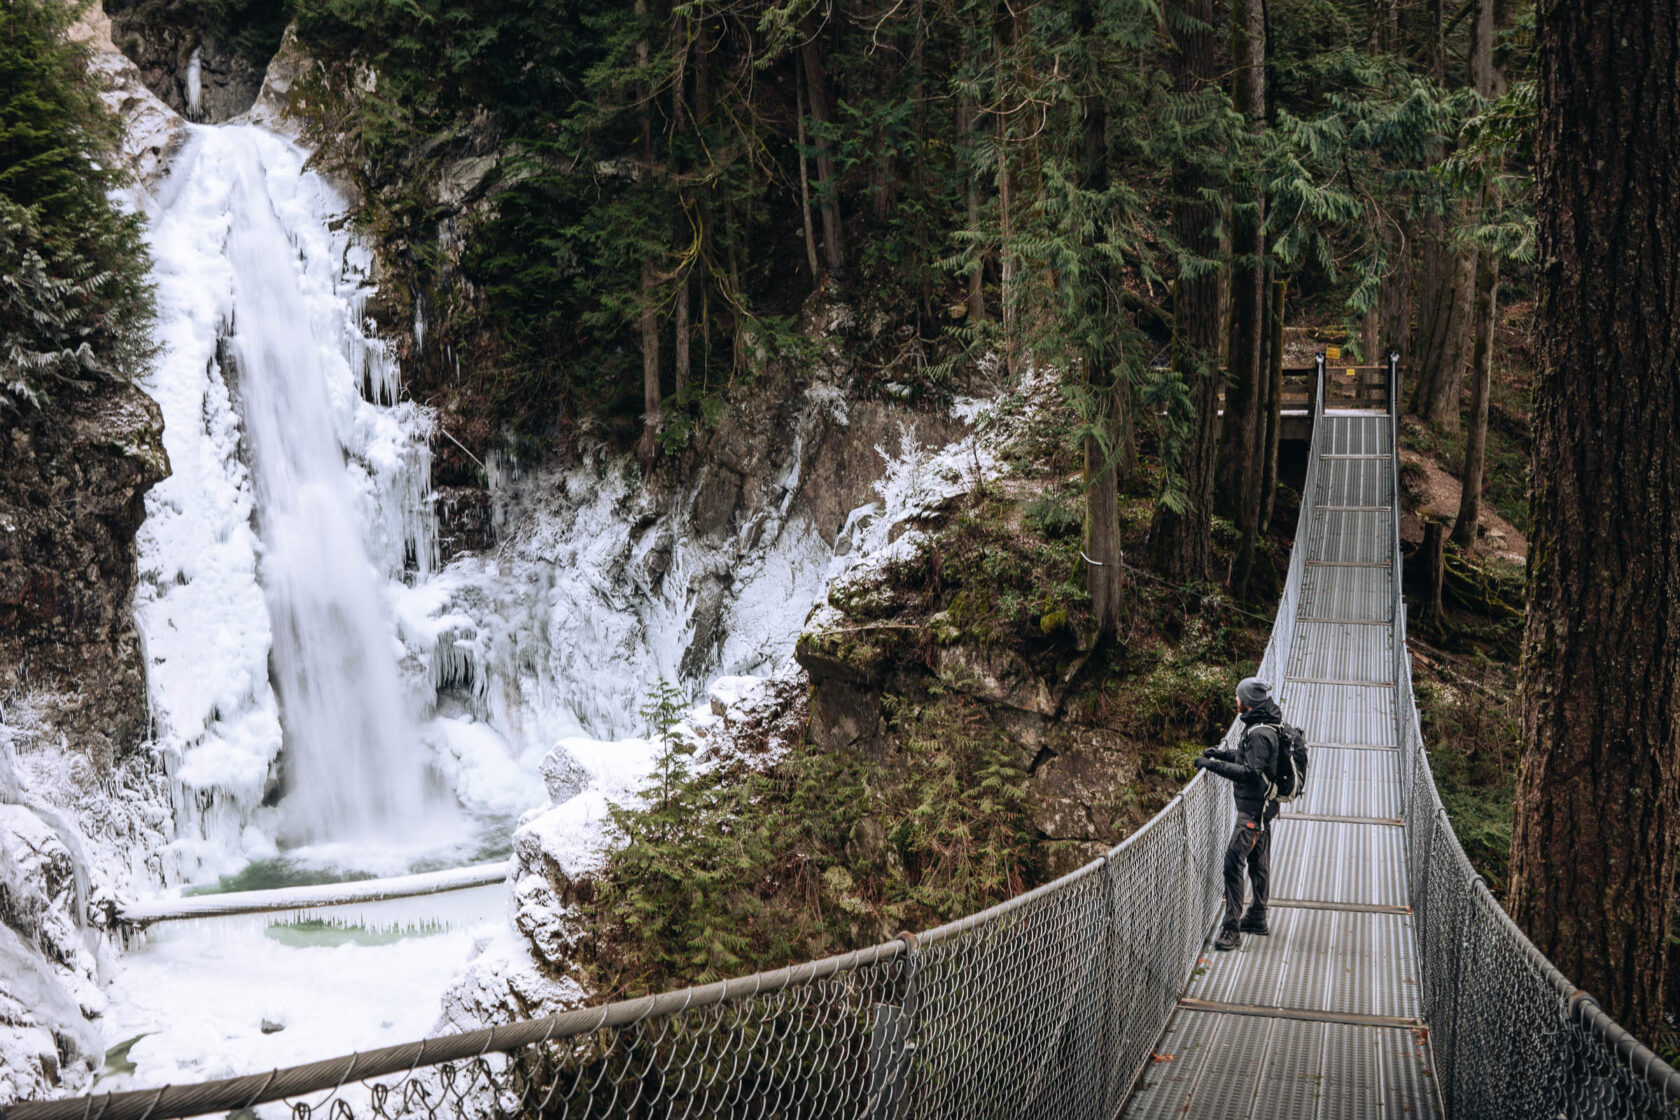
1181 540
74 305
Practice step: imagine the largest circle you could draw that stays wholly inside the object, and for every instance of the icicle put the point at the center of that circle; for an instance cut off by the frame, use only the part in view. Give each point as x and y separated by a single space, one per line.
195 71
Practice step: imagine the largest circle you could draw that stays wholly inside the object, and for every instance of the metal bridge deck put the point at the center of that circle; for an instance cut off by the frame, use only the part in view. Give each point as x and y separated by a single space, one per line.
1322 1018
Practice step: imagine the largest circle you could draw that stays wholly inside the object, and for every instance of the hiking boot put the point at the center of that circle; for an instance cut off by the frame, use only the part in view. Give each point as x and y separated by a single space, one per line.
1228 939
1255 922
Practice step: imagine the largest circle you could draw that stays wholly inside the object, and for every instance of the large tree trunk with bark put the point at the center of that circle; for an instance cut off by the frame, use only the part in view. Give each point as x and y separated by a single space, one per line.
1597 831
1181 544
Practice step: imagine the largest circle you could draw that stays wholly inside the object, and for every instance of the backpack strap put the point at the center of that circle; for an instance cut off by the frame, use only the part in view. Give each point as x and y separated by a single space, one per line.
1277 745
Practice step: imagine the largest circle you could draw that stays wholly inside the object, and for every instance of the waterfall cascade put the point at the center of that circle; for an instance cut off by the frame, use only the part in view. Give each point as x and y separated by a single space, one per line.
297 505
354 762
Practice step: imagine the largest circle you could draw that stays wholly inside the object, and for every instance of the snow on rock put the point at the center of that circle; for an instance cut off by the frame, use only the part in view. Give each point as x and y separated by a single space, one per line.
152 132
69 840
39 893
563 776
502 984
48 967
552 847
44 1038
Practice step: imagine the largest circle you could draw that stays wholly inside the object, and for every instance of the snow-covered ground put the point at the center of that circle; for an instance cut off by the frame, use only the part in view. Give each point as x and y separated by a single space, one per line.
219 997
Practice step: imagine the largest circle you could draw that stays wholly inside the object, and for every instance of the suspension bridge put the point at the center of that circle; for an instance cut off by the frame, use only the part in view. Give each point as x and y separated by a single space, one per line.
1392 984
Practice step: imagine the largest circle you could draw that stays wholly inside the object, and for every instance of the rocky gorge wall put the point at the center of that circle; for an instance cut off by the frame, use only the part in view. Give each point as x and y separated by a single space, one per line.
84 804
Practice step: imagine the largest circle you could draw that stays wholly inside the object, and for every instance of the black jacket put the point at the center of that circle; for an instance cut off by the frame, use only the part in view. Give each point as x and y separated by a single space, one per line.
1249 766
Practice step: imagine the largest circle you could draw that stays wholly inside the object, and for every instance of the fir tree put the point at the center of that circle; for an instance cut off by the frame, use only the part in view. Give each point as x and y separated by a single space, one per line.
74 305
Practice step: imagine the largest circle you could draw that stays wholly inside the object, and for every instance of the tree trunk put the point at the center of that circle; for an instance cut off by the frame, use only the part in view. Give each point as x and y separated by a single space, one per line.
1481 373
1274 409
1597 824
702 114
1383 26
648 325
1443 323
828 191
1104 576
1485 76
1445 413
1448 276
966 113
1432 553
1237 490
682 37
1181 543
805 180
648 320
1003 35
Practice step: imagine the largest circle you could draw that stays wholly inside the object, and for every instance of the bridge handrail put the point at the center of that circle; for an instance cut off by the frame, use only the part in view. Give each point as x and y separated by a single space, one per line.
1539 1046
1047 1004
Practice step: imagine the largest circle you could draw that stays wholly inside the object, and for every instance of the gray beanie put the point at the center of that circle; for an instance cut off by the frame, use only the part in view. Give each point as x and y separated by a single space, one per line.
1253 691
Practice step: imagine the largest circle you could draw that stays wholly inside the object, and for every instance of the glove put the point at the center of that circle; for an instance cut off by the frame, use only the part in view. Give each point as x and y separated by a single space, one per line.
1202 762
1210 752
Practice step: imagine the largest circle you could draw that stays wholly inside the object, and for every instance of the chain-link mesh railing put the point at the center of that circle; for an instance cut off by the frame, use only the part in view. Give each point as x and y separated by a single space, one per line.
1512 1037
1046 1006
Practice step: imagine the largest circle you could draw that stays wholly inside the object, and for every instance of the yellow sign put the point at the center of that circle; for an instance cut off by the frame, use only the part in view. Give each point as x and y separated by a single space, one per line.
1332 353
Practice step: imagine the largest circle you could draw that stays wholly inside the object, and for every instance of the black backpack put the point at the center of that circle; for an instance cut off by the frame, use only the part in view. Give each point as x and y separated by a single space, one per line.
1289 776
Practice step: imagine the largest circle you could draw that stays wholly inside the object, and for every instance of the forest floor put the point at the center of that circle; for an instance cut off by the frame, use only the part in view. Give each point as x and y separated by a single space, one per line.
1465 666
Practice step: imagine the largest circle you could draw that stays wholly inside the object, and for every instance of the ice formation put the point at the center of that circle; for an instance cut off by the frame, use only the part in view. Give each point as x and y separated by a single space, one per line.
293 503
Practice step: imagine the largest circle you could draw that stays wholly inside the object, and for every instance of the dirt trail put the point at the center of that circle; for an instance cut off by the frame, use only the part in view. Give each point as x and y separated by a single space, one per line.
1499 539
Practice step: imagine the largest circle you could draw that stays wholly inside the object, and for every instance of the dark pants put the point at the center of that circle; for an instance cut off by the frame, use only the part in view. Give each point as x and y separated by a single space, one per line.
1250 847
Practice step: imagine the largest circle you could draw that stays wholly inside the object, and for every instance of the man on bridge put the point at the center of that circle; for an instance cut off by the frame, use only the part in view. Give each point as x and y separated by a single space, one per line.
1249 768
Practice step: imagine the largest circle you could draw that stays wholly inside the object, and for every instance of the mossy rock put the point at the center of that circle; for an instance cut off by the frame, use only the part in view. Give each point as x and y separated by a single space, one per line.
842 654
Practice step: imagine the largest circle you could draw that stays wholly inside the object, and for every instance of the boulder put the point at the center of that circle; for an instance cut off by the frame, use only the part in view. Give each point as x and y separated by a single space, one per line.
996 674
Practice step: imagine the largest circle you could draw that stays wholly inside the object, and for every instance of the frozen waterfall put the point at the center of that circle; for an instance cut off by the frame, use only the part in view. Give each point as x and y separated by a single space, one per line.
354 762
282 635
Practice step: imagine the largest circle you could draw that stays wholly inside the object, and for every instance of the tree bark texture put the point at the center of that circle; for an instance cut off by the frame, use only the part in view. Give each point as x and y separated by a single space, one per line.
1443 325
1444 285
1593 854
966 113
1006 31
1181 543
1237 488
687 252
1432 554
1104 577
